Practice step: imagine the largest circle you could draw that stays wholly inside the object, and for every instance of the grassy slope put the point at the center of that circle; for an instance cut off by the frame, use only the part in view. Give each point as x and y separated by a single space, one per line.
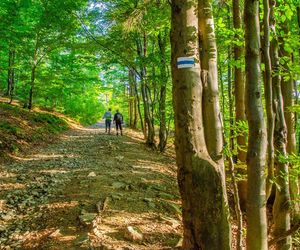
20 128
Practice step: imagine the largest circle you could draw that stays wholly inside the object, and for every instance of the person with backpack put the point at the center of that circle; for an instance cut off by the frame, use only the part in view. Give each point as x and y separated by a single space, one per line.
107 116
118 119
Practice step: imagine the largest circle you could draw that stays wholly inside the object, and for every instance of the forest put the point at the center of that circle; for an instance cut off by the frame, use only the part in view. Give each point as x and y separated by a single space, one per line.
214 82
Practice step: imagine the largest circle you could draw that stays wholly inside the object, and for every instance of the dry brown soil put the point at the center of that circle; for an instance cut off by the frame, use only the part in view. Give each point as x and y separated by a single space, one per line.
85 190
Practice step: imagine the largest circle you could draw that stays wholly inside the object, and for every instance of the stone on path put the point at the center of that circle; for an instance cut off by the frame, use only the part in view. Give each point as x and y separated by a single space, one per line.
55 234
132 234
92 174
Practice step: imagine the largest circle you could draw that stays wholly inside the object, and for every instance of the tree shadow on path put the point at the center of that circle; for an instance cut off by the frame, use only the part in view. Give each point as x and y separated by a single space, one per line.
83 191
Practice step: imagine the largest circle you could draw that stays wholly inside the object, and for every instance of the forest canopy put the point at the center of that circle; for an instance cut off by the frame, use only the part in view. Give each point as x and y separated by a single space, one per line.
237 104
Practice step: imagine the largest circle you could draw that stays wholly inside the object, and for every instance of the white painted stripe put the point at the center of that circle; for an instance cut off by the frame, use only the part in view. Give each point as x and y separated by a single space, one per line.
185 62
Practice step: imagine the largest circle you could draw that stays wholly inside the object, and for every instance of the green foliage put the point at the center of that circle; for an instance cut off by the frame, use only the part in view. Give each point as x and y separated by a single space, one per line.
294 161
45 36
48 118
9 128
20 127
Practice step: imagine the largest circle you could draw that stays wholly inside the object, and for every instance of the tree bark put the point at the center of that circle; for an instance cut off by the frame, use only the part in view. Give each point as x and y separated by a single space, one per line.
163 93
33 72
256 155
138 104
281 207
32 83
201 183
209 77
268 96
239 82
237 207
135 112
230 102
11 73
148 124
287 88
222 91
130 97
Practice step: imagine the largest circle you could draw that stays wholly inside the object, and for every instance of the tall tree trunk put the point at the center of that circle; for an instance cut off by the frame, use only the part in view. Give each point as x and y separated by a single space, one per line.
222 90
201 184
268 96
147 114
230 100
239 83
8 90
138 104
131 97
256 155
287 88
10 73
13 79
32 83
281 207
229 81
135 103
163 93
209 75
135 111
148 125
33 72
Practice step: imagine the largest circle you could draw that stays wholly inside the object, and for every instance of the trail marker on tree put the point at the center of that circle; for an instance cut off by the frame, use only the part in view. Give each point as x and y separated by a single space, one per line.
185 62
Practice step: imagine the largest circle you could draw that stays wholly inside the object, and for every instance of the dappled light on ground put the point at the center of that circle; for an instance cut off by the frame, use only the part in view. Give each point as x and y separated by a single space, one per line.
39 157
90 189
59 205
7 186
156 229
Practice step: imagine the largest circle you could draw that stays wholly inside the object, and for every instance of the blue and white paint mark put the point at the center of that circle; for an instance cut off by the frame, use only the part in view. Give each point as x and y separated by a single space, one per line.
185 62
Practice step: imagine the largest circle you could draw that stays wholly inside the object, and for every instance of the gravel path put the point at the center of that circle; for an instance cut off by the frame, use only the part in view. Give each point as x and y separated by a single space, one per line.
90 190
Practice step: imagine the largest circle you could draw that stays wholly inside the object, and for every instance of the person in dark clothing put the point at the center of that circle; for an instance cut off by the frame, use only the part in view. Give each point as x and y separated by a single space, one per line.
118 120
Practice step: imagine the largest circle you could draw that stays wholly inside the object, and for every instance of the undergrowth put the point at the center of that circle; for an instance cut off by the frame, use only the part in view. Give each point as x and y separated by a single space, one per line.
21 128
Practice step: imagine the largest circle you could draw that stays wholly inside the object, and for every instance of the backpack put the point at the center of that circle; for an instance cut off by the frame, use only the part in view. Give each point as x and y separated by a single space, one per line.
118 117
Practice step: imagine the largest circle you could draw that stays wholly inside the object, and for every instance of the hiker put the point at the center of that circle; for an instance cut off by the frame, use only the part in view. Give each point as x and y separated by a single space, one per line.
107 116
118 119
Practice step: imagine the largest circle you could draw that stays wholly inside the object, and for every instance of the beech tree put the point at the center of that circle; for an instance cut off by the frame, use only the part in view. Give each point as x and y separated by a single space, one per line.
82 56
288 89
257 144
281 207
201 180
268 95
239 79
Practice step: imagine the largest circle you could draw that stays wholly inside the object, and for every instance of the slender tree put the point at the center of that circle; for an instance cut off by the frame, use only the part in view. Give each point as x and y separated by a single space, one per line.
132 100
142 49
288 90
230 88
256 155
11 73
281 207
239 82
209 76
268 95
162 43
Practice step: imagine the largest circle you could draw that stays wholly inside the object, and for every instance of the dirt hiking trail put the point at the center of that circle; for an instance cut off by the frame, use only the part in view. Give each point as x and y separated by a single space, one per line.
90 190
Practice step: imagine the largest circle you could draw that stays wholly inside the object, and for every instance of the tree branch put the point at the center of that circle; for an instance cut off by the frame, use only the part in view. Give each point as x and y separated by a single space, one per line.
127 63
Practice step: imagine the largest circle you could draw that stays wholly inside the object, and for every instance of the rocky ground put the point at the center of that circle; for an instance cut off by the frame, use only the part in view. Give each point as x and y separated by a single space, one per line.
90 190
